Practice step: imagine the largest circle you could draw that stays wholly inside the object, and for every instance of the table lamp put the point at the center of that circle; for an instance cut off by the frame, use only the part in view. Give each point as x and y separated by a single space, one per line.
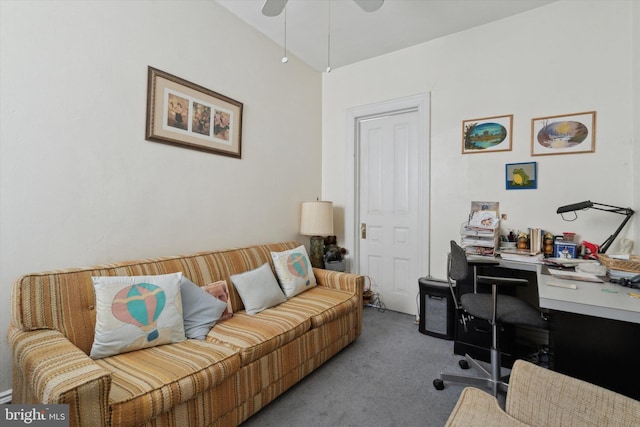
628 212
316 220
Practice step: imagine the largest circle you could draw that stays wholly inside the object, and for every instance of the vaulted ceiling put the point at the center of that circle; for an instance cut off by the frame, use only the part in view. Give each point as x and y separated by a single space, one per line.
357 35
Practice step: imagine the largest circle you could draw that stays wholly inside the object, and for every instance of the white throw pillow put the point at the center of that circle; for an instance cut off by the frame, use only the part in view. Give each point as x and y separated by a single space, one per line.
134 312
294 270
200 310
258 289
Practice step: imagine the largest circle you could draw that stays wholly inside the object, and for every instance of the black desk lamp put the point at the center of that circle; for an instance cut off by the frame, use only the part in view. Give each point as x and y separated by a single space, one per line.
628 212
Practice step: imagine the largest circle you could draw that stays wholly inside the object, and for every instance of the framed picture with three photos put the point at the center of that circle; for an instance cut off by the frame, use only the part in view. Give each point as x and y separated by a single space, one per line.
186 114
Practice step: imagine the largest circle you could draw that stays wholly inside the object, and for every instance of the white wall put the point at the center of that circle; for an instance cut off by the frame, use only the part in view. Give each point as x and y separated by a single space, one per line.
636 108
79 183
566 57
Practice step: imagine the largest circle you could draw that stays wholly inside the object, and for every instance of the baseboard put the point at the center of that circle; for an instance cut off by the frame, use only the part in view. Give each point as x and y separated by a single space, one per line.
5 396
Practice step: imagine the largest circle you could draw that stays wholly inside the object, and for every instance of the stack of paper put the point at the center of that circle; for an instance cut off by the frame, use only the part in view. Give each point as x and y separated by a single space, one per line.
523 256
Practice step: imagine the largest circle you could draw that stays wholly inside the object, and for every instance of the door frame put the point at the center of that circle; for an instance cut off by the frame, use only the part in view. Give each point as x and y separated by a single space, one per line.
355 115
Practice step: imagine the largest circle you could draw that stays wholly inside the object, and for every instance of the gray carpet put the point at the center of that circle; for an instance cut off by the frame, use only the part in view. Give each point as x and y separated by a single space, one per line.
384 378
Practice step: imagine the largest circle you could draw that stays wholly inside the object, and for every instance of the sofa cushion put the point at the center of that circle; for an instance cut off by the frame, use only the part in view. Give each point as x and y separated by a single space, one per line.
294 271
147 382
258 289
200 310
254 336
323 305
220 290
134 312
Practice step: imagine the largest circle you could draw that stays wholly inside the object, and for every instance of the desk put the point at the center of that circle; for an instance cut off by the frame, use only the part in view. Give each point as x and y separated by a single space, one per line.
594 335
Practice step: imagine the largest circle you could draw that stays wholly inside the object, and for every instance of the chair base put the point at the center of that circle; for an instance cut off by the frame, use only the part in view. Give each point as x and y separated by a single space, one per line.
492 380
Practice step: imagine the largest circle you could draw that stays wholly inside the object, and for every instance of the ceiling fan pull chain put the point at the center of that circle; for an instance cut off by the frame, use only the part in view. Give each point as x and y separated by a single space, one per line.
329 38
285 59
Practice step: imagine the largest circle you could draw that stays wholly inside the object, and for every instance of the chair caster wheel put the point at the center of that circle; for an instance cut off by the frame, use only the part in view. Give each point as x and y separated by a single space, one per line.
438 384
463 364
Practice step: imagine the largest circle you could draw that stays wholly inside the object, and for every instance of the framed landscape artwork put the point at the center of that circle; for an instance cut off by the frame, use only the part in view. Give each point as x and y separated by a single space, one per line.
185 114
521 176
487 135
564 134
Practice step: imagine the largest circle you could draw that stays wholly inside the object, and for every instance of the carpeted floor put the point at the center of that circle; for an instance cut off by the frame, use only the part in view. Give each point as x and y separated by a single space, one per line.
384 378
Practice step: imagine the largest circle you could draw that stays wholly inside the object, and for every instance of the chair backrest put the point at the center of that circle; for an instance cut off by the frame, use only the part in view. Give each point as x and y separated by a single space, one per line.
456 270
458 267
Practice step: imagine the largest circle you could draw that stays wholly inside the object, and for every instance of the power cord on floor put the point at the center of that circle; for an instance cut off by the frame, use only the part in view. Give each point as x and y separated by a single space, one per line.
372 299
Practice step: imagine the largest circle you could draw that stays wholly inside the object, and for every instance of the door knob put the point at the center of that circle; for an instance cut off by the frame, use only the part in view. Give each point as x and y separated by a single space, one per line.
363 230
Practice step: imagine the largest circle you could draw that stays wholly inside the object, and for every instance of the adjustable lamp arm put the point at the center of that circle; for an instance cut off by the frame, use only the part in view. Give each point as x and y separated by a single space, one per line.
622 211
627 212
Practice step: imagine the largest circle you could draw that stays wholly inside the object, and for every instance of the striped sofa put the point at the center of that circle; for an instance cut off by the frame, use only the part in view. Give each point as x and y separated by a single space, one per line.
245 362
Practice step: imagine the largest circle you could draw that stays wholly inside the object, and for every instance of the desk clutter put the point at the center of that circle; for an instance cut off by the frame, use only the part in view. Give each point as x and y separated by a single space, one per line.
481 235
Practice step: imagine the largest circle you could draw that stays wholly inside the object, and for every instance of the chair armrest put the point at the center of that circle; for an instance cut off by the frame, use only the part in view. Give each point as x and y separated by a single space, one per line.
48 368
543 397
502 281
478 408
340 281
477 261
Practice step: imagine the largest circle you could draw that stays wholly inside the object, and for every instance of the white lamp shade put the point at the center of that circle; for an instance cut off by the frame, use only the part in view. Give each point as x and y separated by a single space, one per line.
316 218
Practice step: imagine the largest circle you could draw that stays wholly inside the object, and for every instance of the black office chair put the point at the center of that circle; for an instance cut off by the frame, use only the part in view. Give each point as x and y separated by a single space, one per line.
496 309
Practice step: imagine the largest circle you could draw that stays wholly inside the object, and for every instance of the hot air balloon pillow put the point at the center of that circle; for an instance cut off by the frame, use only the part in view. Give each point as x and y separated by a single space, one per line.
135 312
294 270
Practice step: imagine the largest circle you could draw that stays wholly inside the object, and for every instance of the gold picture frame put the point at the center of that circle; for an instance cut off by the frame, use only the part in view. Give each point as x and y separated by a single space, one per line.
185 114
487 135
564 134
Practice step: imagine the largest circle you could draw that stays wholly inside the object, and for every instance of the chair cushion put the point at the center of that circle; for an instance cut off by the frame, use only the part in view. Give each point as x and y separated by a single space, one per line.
510 309
147 382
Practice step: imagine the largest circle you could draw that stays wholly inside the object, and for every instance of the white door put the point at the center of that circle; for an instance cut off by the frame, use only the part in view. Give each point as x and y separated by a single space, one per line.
388 207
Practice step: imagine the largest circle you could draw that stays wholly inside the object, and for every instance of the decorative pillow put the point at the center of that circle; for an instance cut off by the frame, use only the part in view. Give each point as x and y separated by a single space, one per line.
134 312
294 271
220 290
258 289
200 310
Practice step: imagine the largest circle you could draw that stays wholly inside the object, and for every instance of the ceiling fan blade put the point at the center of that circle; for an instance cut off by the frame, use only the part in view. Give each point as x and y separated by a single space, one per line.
369 5
273 7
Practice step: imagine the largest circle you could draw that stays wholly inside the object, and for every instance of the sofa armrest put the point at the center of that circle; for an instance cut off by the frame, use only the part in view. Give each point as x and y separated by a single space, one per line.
478 408
340 281
543 397
353 283
48 368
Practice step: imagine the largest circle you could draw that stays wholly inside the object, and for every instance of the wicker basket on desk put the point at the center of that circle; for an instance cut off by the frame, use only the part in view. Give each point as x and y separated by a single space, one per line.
631 265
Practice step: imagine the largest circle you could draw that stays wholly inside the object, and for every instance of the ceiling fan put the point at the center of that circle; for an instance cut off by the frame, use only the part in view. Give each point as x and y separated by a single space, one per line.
275 7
